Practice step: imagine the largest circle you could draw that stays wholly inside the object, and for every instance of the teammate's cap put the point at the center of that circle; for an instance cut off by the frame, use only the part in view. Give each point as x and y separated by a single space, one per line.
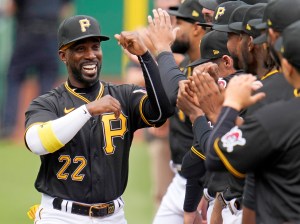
236 18
223 13
253 2
78 27
213 46
260 39
263 37
288 44
189 10
254 12
279 14
209 4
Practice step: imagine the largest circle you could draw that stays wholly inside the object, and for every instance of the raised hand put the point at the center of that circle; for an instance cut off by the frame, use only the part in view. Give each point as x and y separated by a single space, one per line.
209 94
186 102
160 31
211 68
106 104
238 94
132 42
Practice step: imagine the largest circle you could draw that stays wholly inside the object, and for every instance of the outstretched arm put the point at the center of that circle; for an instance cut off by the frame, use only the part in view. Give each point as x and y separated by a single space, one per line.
157 106
162 35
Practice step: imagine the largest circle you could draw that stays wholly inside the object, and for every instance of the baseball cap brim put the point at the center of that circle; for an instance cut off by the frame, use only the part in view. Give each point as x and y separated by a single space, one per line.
176 13
205 24
254 22
101 37
174 8
222 28
237 26
209 4
198 62
260 39
278 44
261 26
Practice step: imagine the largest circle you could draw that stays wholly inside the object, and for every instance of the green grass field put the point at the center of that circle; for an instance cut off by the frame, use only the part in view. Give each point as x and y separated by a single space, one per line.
19 169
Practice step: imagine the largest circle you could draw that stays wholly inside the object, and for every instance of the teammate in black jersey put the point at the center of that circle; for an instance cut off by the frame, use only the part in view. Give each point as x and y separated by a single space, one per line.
267 143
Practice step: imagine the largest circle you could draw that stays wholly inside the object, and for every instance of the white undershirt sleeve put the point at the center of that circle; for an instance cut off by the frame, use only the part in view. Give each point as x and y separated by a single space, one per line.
64 129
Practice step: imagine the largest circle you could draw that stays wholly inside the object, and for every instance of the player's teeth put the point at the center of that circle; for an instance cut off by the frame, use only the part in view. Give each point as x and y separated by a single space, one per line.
89 66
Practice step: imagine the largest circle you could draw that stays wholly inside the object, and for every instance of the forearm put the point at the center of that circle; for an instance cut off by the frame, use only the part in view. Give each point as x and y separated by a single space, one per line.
226 121
202 130
158 100
194 171
193 195
51 136
170 75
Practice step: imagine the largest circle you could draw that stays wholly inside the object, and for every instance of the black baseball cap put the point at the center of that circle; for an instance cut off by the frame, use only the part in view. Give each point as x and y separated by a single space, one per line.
279 14
263 37
78 27
189 10
253 2
223 13
213 46
209 4
288 44
254 12
236 19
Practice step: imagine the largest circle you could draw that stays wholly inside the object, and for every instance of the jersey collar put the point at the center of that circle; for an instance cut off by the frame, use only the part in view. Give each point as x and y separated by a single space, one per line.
101 90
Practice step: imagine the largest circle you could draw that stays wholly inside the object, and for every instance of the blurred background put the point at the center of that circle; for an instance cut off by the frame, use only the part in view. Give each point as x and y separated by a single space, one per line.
19 167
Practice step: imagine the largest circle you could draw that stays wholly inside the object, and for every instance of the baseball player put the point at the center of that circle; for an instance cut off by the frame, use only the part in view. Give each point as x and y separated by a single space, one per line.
188 16
213 51
272 81
83 129
267 143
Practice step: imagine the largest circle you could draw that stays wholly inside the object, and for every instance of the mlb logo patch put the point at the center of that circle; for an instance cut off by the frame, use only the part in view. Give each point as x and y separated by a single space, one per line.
233 138
222 82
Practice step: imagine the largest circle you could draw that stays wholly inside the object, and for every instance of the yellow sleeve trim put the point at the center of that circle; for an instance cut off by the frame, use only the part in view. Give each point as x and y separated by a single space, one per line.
226 162
194 150
141 111
50 142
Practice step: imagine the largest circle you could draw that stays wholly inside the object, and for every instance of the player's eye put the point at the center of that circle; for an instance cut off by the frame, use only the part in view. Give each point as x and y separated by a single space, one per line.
96 47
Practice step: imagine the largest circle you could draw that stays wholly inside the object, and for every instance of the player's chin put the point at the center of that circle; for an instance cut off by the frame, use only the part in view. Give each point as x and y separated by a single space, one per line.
90 77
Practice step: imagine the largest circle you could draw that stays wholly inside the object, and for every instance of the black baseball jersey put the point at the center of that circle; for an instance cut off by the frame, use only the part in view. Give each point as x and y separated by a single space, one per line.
276 88
93 166
181 131
181 134
268 145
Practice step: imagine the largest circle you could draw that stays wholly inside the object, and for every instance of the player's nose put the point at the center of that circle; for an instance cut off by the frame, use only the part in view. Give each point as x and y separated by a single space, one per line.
90 54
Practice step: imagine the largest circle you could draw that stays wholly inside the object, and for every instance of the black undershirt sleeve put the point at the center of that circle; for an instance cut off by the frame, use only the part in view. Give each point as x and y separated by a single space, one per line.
157 107
193 194
201 131
170 75
225 122
193 170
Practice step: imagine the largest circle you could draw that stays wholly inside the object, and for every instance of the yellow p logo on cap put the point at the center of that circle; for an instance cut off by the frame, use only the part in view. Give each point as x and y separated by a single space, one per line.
220 12
84 23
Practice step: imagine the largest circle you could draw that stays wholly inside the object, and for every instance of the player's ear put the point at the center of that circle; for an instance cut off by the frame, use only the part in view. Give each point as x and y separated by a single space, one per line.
273 35
62 56
250 44
228 62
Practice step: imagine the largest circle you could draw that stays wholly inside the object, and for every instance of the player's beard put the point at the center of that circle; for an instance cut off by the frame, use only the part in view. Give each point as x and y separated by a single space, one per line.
180 47
80 77
208 18
248 61
269 62
274 56
236 62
